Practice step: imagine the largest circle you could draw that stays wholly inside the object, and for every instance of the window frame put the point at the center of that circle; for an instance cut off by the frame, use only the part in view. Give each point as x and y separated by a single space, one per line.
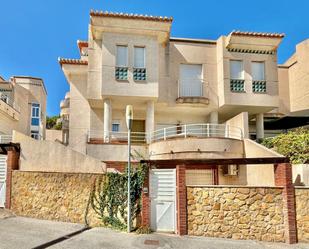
242 69
35 113
35 134
115 122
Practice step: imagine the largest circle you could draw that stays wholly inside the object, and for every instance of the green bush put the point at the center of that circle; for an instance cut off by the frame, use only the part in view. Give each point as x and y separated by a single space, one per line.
294 145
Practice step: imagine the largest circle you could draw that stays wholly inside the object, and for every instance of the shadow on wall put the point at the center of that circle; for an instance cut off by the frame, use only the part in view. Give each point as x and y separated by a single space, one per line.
49 156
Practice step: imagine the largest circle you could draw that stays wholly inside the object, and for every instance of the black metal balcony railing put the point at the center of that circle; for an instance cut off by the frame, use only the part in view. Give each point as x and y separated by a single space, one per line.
237 85
259 86
139 74
121 73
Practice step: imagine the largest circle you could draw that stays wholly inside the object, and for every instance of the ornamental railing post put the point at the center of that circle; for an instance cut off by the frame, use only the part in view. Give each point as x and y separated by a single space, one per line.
164 133
207 130
226 130
185 128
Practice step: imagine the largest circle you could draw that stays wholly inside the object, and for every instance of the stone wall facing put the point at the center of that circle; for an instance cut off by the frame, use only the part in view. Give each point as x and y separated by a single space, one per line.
53 196
302 213
236 212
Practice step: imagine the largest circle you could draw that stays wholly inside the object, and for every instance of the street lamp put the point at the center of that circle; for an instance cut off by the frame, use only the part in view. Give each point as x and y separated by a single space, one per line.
129 120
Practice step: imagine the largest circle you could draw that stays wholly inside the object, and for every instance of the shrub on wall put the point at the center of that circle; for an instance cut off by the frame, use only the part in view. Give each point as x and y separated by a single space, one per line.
294 145
108 197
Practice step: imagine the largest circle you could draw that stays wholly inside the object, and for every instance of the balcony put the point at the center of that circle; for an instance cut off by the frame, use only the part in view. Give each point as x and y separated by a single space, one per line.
98 137
197 131
5 139
9 107
196 141
192 91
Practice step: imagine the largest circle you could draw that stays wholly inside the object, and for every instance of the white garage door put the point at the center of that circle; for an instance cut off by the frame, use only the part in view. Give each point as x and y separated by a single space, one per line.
2 179
163 196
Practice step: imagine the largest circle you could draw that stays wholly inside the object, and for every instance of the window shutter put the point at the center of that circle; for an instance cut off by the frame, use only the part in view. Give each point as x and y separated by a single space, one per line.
122 56
139 57
236 71
258 71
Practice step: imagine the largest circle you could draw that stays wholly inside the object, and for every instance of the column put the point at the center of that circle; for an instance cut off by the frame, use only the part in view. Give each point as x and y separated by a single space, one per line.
214 117
259 126
283 178
150 120
12 164
107 119
181 192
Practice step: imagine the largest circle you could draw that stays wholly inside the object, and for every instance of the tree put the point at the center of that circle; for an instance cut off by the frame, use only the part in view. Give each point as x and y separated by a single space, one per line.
294 145
51 123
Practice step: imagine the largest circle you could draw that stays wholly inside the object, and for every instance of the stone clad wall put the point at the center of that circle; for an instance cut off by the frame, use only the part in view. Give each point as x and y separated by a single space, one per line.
302 213
236 212
53 196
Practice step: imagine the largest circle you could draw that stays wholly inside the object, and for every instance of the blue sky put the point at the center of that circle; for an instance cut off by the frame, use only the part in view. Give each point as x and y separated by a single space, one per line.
34 33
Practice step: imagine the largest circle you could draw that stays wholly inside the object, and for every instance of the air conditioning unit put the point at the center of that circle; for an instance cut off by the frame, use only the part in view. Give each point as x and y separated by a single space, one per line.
230 170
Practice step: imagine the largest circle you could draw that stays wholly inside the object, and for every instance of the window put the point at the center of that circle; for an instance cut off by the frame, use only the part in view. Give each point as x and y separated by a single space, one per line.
35 135
122 56
139 57
121 70
190 80
237 82
139 69
35 114
4 98
115 126
258 71
236 70
258 77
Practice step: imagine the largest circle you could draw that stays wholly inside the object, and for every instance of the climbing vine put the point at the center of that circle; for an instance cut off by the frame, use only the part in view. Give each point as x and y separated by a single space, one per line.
108 197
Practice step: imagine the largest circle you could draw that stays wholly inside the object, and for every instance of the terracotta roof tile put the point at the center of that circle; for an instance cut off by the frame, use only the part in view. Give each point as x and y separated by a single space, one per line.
257 34
82 44
130 16
72 61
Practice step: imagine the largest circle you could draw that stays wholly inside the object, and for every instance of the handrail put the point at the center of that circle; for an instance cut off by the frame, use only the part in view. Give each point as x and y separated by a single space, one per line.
5 139
10 102
197 130
191 87
203 130
116 136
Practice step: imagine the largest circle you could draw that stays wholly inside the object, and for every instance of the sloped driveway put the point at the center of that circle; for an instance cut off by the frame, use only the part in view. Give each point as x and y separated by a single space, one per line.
24 233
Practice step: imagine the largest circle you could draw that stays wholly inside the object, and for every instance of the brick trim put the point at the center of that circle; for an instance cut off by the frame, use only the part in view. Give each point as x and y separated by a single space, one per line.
146 203
181 199
12 163
283 177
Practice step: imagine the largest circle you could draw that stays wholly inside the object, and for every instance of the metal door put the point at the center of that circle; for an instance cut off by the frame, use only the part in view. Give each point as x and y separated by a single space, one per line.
163 199
2 179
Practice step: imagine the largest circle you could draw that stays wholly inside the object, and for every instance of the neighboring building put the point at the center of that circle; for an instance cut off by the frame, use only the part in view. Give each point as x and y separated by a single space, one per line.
22 106
65 117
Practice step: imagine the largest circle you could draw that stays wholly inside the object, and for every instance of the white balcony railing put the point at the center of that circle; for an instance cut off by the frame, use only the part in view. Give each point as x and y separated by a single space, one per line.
180 131
190 87
197 130
5 139
116 137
